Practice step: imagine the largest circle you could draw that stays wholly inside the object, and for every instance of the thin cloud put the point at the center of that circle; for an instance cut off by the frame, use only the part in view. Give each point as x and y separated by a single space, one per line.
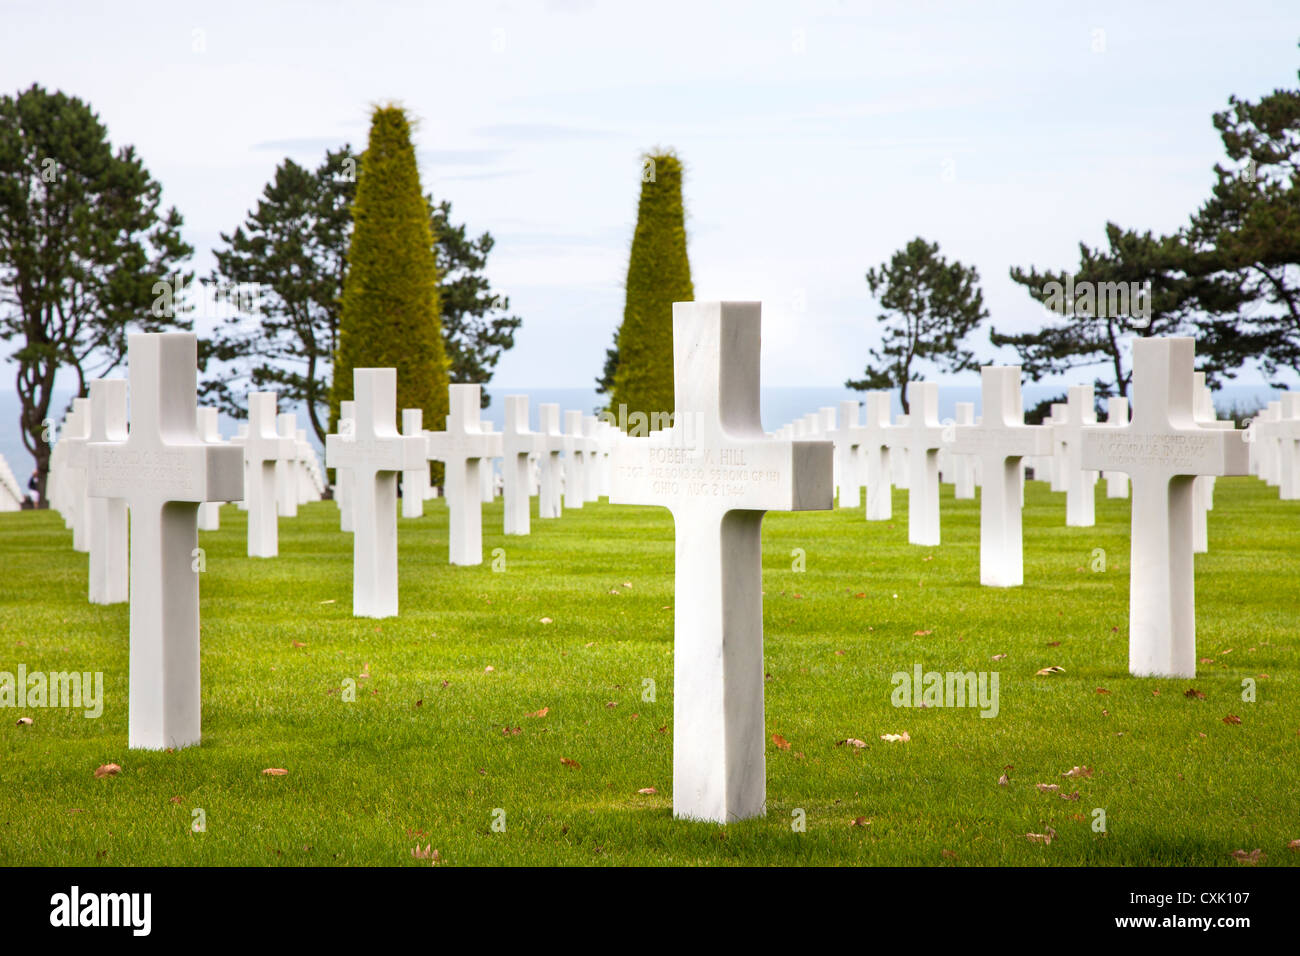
542 132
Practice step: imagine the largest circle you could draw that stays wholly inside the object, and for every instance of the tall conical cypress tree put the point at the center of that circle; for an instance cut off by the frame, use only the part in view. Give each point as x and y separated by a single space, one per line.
658 274
389 315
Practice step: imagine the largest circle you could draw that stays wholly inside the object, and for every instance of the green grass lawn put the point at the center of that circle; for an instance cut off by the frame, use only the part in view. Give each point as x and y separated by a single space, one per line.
440 739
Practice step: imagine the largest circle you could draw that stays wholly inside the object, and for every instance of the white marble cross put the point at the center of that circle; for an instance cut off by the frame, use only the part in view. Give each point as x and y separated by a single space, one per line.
518 443
76 430
923 437
718 472
240 436
846 435
1162 449
164 471
1080 501
263 450
210 431
876 439
343 479
487 466
1288 447
1056 463
309 486
575 460
1000 441
414 480
898 461
607 436
591 461
464 448
374 455
1116 481
962 468
1266 443
1203 485
106 517
549 496
286 468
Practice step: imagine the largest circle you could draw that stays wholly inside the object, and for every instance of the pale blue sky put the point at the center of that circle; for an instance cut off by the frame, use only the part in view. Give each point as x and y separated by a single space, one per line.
818 137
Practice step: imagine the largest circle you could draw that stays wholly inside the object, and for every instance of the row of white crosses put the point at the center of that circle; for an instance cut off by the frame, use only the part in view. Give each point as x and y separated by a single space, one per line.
714 469
368 453
11 493
874 452
1275 446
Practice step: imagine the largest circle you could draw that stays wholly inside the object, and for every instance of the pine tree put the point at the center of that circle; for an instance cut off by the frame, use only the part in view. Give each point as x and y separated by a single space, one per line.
658 274
390 309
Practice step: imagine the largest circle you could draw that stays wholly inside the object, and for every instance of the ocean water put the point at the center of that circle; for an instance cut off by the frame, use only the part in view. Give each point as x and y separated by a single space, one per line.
778 406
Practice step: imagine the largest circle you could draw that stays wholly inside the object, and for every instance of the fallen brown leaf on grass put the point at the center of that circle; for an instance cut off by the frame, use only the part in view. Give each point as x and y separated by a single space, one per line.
175 800
921 633
1193 693
647 790
1251 858
1041 837
998 657
299 644
540 713
427 853
1293 845
1102 690
859 822
107 770
902 738
1078 772
275 772
1232 719
1048 787
1069 796
489 669
852 742
571 763
24 721
547 620
781 742
1049 671
948 854
1003 780
509 731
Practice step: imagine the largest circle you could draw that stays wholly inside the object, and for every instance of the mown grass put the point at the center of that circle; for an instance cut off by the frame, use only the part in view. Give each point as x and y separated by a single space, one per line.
429 754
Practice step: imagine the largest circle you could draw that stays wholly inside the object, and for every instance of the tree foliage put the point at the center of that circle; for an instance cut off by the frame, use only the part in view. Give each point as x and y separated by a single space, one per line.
390 310
84 252
930 305
658 274
295 246
1247 234
1139 284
